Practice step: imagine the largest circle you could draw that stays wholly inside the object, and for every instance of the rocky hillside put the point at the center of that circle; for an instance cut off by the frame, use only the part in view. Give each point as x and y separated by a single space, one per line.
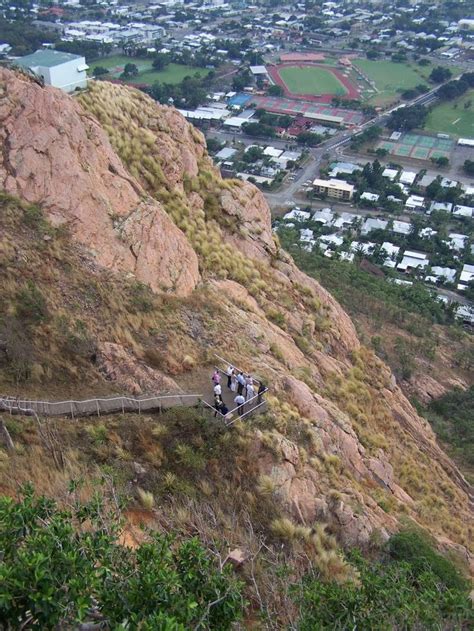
129 262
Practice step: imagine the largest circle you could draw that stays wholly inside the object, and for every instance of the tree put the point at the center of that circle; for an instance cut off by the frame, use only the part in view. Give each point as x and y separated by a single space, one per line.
61 567
372 54
160 61
441 161
258 129
309 139
130 70
440 74
275 90
406 118
468 167
99 71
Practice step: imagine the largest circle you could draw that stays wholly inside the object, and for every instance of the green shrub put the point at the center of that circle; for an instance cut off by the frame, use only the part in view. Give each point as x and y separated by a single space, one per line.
415 548
31 304
54 574
391 594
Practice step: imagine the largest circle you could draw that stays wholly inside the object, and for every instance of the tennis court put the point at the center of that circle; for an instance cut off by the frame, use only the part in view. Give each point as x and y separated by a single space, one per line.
419 146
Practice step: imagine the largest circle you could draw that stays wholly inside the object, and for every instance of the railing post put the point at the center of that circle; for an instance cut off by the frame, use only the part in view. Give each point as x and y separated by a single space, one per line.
72 410
98 408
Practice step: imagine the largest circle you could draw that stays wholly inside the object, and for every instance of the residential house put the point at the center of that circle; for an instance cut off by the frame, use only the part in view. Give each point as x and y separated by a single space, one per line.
413 260
466 276
373 224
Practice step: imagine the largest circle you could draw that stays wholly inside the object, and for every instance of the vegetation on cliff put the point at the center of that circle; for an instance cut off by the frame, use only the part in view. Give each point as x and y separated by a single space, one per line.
339 460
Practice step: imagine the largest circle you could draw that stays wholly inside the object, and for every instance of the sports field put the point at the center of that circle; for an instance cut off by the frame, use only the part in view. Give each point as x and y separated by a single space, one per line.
390 77
173 73
311 80
454 117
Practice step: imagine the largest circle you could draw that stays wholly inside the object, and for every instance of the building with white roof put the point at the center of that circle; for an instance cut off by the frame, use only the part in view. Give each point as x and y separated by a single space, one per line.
360 246
427 233
426 180
415 202
465 313
390 173
463 211
235 122
324 216
466 276
226 153
272 152
413 260
401 227
407 177
346 256
343 167
445 274
457 241
258 71
332 240
444 206
61 70
447 183
373 224
391 252
370 197
297 215
345 219
306 234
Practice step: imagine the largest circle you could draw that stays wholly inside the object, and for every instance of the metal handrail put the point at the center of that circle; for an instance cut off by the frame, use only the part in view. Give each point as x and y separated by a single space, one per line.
119 398
224 416
12 404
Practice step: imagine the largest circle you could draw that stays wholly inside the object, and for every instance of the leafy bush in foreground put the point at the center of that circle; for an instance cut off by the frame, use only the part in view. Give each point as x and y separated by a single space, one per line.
64 566
414 588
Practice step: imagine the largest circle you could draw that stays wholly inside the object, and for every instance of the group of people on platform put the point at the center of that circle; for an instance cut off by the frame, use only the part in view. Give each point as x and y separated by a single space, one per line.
243 385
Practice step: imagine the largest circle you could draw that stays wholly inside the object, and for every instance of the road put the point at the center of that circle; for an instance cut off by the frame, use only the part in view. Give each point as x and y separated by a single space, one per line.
331 146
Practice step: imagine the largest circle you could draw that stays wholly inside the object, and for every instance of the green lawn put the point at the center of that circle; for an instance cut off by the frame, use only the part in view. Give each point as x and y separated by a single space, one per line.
116 61
311 80
390 77
173 73
452 118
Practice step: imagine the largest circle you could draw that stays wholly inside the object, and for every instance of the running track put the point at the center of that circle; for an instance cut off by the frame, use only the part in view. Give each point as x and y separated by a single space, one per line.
352 92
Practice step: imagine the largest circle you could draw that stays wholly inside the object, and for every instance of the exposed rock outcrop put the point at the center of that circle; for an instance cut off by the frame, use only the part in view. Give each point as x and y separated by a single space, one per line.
346 422
57 156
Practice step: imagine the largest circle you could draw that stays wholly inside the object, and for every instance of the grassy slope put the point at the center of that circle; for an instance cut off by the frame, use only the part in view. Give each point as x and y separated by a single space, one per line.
311 80
453 118
403 333
163 331
131 112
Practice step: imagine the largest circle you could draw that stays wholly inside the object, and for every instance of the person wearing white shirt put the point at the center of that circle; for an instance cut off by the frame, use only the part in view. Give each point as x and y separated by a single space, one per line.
239 401
250 391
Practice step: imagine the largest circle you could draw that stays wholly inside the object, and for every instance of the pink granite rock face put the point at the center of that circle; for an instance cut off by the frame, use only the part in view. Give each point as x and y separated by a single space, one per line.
57 156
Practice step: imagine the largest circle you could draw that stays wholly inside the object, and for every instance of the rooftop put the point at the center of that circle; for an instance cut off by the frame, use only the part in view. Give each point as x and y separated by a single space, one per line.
46 58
